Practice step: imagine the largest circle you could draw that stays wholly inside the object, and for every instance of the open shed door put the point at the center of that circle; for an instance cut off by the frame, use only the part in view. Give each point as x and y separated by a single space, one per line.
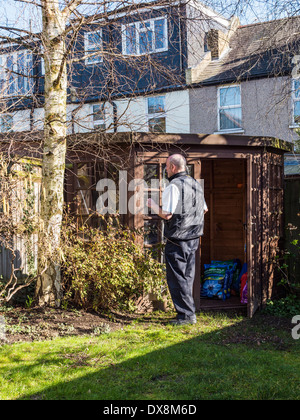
254 233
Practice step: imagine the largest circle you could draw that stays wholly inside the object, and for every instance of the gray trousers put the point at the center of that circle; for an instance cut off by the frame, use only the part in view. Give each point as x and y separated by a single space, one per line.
180 263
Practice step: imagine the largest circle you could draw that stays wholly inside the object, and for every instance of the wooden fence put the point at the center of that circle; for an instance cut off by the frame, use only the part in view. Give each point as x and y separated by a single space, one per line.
292 222
24 200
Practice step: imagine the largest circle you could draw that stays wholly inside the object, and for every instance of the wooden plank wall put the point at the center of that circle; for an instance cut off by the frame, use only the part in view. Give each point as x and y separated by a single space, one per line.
225 194
292 216
274 223
17 206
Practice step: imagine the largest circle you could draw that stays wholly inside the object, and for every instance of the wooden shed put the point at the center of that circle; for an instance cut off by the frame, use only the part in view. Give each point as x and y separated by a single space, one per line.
244 190
243 185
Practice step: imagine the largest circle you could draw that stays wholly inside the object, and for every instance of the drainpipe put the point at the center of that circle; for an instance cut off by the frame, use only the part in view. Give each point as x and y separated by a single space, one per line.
115 116
180 37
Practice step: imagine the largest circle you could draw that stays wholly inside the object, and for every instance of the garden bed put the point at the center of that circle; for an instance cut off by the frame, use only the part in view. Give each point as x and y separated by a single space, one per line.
37 324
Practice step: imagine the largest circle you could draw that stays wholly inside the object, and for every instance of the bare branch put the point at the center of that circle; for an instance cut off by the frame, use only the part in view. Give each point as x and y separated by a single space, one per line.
71 7
29 2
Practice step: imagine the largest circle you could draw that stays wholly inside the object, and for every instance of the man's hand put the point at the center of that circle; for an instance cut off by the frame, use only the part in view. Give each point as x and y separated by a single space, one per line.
152 205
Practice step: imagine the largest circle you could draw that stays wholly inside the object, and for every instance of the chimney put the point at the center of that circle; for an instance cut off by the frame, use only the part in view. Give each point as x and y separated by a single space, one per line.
218 41
214 44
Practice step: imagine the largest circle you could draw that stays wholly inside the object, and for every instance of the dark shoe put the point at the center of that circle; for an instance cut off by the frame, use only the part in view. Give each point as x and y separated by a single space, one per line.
188 321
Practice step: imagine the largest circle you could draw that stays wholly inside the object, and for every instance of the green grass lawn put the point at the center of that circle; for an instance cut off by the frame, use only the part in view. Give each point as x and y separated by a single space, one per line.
221 357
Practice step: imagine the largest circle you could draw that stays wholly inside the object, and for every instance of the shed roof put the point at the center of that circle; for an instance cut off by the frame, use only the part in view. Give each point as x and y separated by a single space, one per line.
257 50
227 140
26 142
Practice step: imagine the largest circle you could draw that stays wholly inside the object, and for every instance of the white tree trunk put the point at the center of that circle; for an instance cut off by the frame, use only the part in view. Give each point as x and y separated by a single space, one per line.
48 289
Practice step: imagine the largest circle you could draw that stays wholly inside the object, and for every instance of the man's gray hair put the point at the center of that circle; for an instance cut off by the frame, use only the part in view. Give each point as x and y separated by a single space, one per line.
179 161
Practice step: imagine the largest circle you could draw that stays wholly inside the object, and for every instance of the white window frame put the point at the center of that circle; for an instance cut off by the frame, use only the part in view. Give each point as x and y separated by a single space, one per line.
97 123
5 74
93 53
160 114
294 100
137 39
220 108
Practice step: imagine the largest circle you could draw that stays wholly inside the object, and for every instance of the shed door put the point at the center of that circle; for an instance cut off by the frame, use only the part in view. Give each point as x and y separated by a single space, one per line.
254 229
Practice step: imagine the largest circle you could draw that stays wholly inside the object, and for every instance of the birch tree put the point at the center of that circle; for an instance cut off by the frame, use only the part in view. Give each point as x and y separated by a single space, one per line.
54 151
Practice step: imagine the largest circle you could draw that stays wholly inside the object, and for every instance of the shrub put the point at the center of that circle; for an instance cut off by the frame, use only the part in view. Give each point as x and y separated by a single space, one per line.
285 307
107 269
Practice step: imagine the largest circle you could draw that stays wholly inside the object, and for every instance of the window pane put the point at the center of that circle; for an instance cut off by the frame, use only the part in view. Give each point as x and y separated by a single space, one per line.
29 82
6 123
1 71
157 125
150 232
230 96
98 112
145 25
94 40
130 40
190 170
99 117
100 126
21 70
11 77
93 46
230 119
145 41
297 112
3 76
151 172
156 104
94 58
160 36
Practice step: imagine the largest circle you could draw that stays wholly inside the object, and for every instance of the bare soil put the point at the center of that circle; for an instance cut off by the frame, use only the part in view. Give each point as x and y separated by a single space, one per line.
36 324
46 323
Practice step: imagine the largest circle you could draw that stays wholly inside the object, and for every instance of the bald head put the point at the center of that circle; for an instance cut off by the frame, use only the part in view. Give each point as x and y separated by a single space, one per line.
179 161
175 164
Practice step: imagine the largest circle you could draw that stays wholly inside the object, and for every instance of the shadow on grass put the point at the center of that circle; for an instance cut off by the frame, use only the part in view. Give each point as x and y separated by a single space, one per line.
222 364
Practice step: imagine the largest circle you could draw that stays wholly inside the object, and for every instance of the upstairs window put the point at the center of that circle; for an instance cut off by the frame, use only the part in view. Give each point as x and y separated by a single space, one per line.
93 47
146 37
296 101
156 114
230 108
16 70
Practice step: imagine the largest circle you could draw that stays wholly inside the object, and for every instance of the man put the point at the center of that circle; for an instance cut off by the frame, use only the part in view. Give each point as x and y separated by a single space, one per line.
183 208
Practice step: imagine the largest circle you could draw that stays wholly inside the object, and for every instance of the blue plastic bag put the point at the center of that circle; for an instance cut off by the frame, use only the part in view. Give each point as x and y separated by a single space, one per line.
211 288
